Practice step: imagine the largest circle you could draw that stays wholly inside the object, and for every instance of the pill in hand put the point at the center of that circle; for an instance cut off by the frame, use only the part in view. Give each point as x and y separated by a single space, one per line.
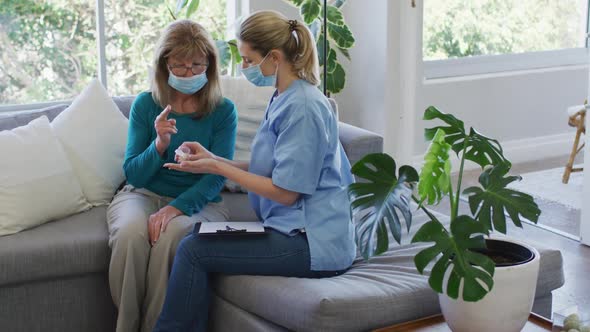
182 153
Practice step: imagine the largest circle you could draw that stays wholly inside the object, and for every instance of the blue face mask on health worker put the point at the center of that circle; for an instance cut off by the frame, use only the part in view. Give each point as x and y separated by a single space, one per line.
255 76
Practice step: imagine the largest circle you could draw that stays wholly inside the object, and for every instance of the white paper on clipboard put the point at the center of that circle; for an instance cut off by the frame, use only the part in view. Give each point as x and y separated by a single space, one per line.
231 227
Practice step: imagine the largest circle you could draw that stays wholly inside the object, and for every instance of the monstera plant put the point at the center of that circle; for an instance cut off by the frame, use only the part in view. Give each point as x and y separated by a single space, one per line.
385 198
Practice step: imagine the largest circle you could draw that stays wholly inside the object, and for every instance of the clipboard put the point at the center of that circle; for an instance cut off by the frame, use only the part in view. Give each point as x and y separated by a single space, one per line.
231 228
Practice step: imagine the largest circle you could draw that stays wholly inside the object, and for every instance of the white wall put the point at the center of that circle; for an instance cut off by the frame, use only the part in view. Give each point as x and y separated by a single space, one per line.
362 101
382 77
585 214
510 107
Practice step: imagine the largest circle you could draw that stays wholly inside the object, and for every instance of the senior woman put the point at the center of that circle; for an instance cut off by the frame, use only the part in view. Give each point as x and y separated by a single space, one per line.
159 206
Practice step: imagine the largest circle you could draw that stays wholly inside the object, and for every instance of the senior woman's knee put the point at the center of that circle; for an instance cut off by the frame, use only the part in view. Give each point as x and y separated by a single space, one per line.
175 231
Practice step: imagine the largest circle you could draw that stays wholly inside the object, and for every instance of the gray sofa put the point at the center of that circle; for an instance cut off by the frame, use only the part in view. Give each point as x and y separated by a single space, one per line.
54 277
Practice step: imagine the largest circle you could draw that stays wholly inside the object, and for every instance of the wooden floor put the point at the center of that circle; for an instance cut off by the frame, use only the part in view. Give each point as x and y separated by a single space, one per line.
576 290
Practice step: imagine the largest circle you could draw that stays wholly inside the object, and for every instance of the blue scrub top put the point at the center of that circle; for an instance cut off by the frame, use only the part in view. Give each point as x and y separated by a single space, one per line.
297 146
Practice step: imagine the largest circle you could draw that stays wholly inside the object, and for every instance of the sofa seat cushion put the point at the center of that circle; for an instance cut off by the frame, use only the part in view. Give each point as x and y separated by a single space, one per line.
70 246
385 291
369 295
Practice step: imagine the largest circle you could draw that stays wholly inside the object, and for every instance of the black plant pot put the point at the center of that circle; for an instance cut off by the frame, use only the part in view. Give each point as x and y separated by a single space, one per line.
505 253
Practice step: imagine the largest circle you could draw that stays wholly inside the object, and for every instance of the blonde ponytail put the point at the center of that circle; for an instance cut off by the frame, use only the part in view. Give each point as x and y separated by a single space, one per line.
268 30
305 58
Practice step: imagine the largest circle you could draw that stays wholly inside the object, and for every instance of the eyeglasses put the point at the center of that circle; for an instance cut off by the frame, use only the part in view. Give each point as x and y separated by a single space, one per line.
181 70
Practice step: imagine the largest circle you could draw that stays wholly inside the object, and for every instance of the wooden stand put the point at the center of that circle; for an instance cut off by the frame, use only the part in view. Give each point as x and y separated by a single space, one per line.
577 120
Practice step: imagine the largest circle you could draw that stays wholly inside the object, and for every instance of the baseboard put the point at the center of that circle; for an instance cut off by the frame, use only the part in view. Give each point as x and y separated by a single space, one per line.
521 150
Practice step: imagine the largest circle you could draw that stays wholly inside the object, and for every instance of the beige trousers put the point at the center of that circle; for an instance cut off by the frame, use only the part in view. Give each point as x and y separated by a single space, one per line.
138 272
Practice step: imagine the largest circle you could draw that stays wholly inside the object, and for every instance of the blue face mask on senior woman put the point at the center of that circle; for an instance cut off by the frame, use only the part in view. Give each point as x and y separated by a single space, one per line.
187 85
255 76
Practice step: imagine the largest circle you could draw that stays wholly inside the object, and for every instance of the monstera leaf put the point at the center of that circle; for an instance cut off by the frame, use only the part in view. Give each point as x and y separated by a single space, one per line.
452 251
435 176
484 150
455 131
490 203
479 148
379 199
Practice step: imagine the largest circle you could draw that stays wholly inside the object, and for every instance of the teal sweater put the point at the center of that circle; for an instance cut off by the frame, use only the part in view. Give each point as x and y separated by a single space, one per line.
143 165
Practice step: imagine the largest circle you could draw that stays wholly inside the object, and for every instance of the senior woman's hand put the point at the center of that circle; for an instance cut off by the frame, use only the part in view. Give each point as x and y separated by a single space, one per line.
165 128
158 222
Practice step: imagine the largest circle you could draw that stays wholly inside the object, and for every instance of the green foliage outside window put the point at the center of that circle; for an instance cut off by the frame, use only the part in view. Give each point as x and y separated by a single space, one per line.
49 48
460 28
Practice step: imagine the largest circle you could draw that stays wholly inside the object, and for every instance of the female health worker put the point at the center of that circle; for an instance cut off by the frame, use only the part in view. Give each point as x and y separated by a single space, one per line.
297 180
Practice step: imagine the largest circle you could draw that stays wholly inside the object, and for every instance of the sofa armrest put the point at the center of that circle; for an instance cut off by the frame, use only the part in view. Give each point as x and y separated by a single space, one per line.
358 142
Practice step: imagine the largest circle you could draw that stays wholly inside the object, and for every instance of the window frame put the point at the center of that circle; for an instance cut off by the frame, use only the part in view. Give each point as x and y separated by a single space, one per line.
503 63
492 64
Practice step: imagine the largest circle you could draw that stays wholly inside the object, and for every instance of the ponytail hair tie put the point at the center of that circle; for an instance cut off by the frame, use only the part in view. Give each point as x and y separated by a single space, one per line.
292 27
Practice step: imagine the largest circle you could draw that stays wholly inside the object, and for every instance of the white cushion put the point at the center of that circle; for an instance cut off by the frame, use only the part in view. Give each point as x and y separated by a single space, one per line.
251 102
94 134
37 182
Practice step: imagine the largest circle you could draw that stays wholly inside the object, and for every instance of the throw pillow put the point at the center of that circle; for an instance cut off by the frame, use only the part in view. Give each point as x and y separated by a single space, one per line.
251 102
94 134
37 182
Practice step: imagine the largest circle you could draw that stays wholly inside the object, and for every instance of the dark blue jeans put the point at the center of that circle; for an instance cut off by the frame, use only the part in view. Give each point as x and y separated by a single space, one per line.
187 298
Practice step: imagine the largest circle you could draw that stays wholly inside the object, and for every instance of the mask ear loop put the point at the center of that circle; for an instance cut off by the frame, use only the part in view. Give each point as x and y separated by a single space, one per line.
276 69
277 76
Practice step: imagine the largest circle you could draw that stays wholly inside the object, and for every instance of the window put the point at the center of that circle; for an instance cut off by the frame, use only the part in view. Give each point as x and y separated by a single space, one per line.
471 32
49 50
